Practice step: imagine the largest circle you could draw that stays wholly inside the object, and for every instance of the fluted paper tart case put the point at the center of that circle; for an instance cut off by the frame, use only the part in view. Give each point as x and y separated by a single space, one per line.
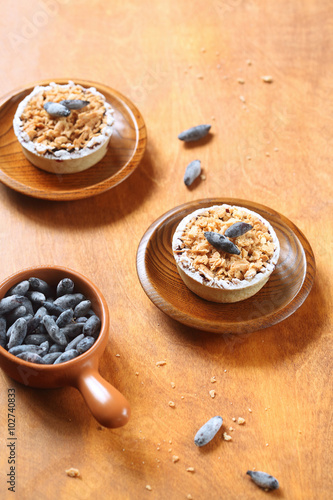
221 290
106 403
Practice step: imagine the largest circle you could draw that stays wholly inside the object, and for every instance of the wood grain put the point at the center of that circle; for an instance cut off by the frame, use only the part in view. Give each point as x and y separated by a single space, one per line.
180 63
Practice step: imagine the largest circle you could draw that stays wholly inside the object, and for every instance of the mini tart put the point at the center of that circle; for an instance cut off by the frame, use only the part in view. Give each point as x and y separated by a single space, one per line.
216 275
64 145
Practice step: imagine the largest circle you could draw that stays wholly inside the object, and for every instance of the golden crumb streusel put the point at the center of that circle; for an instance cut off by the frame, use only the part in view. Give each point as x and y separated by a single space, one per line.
256 246
72 132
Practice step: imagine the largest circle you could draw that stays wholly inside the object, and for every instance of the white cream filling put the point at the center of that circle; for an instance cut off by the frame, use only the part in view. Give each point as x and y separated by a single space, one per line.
186 263
39 148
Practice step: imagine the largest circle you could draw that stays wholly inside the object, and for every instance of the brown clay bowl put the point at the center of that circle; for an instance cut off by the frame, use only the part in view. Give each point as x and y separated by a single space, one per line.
105 402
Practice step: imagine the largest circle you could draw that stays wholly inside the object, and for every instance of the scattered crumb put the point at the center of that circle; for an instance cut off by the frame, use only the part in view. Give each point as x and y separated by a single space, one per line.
250 410
212 117
175 458
267 153
203 49
226 437
117 355
249 62
300 432
189 497
170 441
200 77
203 177
242 98
148 487
190 469
267 444
173 385
267 79
225 371
233 419
73 472
212 394
231 429
170 450
181 397
161 363
276 149
241 421
136 373
172 404
241 81
100 428
248 158
213 379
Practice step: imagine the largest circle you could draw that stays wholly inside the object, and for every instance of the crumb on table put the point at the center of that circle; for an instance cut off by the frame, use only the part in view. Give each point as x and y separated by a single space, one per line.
72 472
190 469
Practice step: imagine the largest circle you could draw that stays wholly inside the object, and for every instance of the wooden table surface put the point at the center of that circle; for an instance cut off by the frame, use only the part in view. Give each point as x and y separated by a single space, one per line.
182 63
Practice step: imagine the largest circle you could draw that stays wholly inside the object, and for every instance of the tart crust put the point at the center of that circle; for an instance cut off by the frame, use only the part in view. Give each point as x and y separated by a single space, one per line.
64 145
216 275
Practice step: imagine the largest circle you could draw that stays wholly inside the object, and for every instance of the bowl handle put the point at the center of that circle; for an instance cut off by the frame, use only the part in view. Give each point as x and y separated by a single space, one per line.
106 403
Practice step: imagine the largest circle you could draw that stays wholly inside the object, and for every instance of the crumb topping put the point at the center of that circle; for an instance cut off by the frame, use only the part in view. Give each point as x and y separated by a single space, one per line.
66 132
256 246
49 135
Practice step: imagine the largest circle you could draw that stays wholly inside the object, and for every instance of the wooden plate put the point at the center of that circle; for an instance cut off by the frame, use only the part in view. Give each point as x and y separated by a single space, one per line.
127 146
285 291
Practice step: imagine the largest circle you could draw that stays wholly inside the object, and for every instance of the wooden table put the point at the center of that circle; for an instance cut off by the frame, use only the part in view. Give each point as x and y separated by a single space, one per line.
182 63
